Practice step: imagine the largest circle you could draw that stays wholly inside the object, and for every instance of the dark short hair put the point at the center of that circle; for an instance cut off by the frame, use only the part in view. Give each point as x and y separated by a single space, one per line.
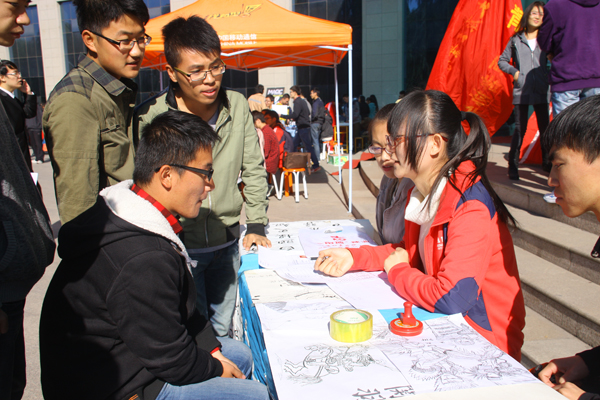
270 96
258 115
95 15
285 96
194 34
317 91
173 137
272 114
296 89
577 128
260 88
5 65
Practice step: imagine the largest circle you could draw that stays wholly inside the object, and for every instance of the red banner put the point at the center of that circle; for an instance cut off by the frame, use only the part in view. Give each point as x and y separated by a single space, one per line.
466 66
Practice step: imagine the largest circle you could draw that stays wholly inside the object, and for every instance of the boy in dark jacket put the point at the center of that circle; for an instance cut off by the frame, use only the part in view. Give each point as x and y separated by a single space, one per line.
574 142
119 318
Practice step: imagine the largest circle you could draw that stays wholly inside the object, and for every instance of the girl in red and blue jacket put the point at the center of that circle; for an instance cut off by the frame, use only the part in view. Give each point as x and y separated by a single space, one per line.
457 255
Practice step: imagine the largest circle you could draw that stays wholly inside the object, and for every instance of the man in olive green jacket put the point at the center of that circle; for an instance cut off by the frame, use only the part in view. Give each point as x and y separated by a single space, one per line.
196 72
88 115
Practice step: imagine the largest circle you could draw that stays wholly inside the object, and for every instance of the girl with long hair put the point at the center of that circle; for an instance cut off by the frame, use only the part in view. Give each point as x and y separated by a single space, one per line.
457 255
530 78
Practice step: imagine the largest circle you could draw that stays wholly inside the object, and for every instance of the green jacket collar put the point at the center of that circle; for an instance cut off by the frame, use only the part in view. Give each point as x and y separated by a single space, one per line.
111 84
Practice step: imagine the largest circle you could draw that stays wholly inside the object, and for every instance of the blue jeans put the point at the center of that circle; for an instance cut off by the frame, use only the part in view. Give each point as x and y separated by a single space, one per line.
315 132
562 100
222 388
12 353
307 142
216 285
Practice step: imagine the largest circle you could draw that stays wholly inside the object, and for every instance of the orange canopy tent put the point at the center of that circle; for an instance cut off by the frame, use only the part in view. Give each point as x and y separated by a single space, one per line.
259 34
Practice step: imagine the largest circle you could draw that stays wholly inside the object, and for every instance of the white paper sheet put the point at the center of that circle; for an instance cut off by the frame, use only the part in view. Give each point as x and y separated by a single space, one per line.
314 241
308 365
450 355
375 293
299 315
266 286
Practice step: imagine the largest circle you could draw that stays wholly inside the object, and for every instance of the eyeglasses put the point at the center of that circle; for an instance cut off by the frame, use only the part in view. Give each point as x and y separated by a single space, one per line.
127 44
199 76
375 150
391 142
15 74
204 172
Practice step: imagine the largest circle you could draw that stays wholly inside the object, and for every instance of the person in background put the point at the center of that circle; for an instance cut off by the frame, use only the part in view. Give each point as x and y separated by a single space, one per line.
401 95
573 141
457 255
26 239
317 118
195 68
271 149
570 36
16 110
269 100
257 100
301 115
363 108
393 191
272 119
373 106
530 82
87 121
34 133
285 100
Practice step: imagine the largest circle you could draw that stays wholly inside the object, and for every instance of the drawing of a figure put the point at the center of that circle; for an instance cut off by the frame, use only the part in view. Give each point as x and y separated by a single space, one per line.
323 360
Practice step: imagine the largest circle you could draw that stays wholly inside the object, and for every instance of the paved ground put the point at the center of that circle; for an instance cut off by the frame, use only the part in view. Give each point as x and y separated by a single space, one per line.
324 202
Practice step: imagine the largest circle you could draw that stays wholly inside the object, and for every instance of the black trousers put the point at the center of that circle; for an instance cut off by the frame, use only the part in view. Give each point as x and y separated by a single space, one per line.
521 118
35 140
12 353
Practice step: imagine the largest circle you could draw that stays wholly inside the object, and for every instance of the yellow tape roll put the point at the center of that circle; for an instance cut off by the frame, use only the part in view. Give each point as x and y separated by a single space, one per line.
351 326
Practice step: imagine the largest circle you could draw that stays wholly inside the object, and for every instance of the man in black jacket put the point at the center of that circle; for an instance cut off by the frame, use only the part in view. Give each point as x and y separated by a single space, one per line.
573 140
119 318
301 115
26 240
17 111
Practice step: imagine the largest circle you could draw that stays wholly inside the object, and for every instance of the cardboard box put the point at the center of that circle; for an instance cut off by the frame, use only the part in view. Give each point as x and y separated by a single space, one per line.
337 160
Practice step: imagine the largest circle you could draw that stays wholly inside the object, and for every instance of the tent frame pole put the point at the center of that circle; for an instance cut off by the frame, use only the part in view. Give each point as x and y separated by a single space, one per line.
350 129
337 121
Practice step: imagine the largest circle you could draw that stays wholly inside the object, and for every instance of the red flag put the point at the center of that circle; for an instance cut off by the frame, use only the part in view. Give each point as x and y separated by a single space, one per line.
466 66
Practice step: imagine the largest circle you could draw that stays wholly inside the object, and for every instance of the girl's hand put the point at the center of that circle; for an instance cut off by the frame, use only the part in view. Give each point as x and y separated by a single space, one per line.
517 75
399 256
334 262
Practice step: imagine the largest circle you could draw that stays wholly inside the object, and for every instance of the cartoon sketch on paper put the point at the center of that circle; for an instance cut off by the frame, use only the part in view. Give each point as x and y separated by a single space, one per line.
323 360
456 357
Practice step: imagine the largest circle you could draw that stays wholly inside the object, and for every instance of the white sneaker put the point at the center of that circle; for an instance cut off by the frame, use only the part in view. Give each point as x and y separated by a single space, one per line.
550 197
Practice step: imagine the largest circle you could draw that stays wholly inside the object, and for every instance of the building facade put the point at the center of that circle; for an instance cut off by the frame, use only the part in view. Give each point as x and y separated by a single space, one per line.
395 43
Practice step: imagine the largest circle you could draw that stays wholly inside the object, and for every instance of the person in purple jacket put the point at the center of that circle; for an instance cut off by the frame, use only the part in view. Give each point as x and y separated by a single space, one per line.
570 35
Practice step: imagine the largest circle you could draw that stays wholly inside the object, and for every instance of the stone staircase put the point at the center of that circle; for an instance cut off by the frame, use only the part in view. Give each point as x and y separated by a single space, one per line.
560 280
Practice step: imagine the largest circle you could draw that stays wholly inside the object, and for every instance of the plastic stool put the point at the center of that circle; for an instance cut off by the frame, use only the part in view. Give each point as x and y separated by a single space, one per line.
278 188
294 173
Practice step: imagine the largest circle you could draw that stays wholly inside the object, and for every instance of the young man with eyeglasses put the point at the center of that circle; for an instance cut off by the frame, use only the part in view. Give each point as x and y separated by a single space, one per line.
119 319
88 116
26 240
193 51
16 110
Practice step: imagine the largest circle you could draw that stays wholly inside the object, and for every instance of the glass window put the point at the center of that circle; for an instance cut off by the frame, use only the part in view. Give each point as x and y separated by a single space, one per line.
27 54
344 11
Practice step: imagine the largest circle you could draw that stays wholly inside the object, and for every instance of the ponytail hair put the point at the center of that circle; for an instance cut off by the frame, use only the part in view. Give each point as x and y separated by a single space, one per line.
424 113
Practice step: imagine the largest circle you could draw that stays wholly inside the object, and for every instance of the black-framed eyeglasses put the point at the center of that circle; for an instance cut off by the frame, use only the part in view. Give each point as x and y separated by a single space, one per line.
199 76
127 44
208 174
